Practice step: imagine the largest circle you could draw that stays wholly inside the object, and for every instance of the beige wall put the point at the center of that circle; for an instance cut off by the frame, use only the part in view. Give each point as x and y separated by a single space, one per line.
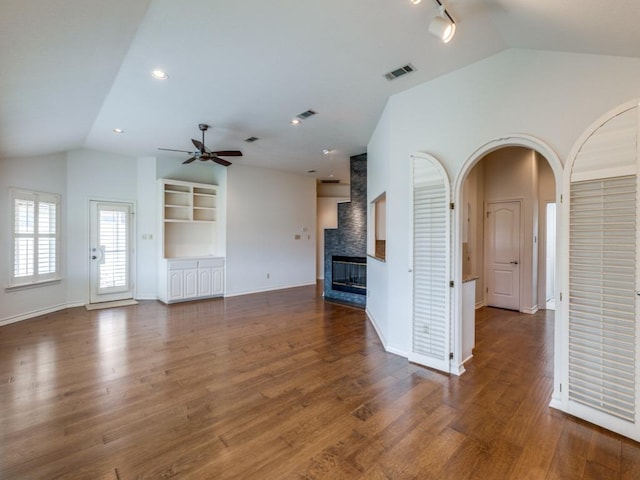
506 174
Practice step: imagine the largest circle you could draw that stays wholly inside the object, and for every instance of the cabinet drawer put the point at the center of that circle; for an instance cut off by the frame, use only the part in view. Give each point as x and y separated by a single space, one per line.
183 264
211 262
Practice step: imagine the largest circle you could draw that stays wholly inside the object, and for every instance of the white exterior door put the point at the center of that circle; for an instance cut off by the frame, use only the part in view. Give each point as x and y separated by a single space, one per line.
503 255
602 380
430 267
110 251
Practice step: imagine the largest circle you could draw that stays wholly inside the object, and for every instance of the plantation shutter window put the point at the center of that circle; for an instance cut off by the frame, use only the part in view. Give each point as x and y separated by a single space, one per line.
431 290
35 237
602 337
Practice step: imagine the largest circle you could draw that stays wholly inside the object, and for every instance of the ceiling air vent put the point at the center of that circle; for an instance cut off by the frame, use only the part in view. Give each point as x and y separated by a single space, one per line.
307 114
251 139
398 72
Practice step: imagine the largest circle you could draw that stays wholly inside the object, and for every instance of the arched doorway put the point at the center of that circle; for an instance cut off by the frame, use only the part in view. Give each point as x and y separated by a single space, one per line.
527 256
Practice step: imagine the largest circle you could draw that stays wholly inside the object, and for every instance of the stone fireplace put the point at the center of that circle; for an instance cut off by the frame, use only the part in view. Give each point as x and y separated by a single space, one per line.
345 252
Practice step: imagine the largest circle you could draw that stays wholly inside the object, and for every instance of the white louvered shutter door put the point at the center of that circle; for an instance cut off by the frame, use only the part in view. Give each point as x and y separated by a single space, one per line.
603 326
431 240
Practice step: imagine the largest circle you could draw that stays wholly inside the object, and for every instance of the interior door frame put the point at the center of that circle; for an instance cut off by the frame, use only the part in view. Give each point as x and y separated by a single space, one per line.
501 141
519 201
132 246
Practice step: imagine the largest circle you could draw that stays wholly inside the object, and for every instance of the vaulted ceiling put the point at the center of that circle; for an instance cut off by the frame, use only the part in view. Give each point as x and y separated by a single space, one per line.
71 71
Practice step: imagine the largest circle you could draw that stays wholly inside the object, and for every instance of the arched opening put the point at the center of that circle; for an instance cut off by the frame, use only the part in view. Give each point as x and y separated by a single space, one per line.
500 234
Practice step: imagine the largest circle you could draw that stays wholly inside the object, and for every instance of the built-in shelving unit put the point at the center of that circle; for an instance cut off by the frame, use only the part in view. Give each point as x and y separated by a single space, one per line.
189 237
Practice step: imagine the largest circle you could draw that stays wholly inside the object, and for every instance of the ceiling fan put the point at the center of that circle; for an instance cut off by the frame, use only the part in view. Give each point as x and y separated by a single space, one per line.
203 153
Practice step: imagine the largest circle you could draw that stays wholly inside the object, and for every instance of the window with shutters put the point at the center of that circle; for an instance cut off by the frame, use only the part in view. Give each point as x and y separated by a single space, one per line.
431 288
35 237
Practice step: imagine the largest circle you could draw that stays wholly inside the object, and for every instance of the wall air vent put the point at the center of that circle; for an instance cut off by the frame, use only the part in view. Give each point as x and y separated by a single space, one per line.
251 139
330 181
307 114
398 72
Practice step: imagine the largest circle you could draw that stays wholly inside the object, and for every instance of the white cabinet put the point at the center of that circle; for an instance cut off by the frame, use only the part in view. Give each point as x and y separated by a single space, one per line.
193 278
210 277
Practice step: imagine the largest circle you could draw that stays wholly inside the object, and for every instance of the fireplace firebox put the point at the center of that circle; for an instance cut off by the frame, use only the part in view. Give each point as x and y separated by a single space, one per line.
349 274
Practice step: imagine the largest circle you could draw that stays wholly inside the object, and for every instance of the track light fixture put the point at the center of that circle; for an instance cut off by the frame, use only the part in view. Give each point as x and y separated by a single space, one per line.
443 26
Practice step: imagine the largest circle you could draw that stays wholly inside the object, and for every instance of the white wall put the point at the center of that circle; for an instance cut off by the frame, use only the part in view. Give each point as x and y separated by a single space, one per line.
548 95
266 209
327 209
92 175
44 174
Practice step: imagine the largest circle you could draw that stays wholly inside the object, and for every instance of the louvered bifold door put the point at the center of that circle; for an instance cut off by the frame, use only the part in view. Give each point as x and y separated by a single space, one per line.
431 290
602 326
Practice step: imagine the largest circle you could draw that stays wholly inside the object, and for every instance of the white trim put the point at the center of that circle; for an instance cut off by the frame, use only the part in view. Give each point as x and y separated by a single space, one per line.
512 140
38 313
268 289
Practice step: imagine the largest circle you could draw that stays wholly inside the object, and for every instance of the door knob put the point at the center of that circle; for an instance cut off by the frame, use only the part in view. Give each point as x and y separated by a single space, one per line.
93 257
514 263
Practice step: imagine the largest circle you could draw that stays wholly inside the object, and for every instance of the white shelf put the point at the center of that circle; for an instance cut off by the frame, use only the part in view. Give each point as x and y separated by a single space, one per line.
190 265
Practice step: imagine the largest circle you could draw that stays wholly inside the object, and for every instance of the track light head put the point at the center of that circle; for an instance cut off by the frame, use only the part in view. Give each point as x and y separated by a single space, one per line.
443 26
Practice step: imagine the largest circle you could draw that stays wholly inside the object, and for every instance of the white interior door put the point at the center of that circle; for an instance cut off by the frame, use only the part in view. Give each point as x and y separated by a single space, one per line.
431 265
503 255
110 251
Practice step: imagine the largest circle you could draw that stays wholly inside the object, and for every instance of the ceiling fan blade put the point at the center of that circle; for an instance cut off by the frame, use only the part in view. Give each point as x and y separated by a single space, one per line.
199 145
221 161
228 153
189 160
172 150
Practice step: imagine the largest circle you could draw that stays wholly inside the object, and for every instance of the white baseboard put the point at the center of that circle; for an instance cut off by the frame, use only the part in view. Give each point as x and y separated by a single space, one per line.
383 340
480 304
267 289
37 313
529 310
147 296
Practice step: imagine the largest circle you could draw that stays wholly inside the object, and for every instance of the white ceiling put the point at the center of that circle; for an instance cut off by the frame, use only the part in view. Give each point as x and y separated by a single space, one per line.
73 70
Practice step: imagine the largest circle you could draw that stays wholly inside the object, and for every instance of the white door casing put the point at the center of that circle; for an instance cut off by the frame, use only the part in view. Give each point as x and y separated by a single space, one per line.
502 245
111 251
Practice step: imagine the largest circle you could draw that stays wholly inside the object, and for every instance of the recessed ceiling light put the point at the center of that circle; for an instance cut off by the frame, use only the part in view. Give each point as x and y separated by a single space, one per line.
295 121
118 130
159 74
415 2
326 151
331 176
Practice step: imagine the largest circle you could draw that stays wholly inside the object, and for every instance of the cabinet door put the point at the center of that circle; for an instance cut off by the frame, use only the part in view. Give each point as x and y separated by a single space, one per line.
217 281
205 285
190 283
175 285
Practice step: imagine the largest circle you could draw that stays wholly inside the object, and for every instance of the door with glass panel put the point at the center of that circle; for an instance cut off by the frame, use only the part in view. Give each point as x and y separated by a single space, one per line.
110 251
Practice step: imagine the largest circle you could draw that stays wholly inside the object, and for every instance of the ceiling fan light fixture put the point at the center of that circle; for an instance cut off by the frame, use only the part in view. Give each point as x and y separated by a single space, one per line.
159 74
443 26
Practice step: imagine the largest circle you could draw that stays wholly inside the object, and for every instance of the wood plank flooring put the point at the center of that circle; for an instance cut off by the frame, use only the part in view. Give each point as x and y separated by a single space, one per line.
282 385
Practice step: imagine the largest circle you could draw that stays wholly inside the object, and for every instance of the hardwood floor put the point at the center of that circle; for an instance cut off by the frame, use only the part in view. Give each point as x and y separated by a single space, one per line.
282 385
